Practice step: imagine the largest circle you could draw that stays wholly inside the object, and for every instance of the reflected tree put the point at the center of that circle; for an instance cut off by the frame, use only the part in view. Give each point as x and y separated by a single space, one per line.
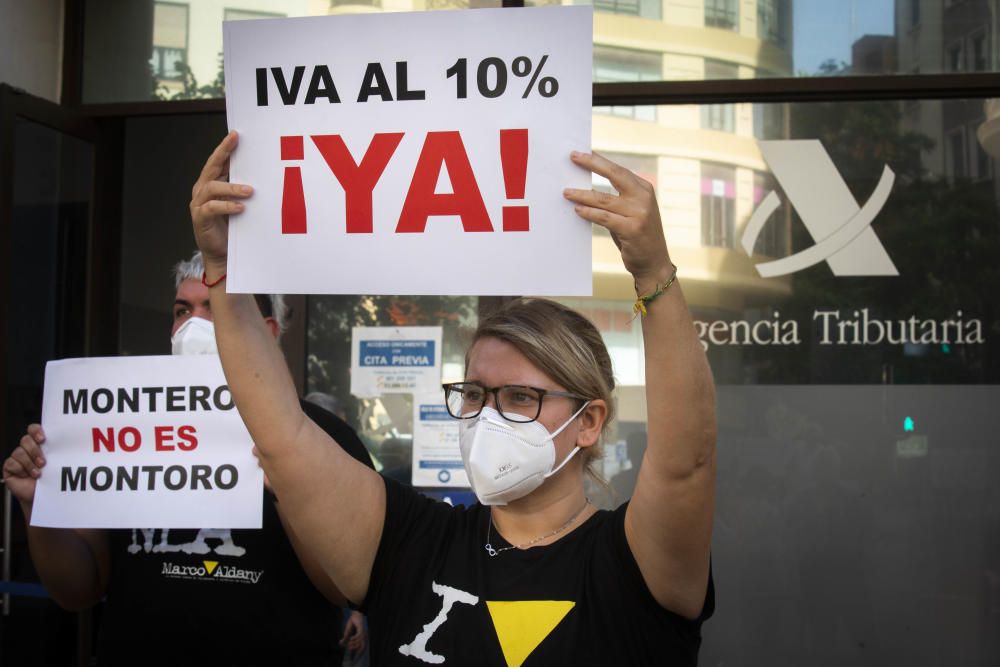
190 88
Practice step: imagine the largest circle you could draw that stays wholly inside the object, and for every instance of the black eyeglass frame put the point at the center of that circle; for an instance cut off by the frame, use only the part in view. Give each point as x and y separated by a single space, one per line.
542 393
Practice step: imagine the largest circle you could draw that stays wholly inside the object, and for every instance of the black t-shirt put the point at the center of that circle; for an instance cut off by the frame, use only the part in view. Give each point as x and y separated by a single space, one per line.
219 597
437 597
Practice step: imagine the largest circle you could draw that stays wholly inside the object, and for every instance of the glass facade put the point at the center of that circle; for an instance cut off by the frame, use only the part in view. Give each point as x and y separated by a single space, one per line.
169 51
827 323
170 42
856 521
172 50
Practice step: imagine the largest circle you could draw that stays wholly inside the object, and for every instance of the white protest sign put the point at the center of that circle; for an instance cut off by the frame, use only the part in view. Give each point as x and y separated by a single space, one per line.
437 459
144 441
411 153
395 360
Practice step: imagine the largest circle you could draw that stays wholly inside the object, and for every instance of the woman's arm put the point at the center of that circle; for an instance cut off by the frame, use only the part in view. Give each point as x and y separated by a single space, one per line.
321 487
668 523
310 564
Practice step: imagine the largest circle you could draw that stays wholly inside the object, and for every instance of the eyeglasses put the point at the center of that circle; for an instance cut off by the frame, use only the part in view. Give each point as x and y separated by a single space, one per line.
515 402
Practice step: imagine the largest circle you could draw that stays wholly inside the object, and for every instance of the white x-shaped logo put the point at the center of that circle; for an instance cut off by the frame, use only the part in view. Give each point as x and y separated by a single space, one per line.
842 229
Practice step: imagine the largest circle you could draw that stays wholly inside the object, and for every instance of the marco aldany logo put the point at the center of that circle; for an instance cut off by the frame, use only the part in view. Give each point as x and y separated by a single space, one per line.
839 226
210 569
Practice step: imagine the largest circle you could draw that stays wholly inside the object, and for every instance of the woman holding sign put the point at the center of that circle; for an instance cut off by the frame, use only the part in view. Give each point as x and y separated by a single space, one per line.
534 574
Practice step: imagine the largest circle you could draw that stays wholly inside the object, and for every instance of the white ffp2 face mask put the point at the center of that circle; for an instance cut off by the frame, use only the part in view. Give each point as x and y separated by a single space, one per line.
508 460
196 336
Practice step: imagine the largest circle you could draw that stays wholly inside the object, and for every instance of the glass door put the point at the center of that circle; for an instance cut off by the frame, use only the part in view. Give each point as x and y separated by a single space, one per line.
46 195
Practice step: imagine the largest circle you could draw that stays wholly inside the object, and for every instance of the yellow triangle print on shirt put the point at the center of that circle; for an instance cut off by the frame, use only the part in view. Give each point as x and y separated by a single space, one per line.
522 626
210 565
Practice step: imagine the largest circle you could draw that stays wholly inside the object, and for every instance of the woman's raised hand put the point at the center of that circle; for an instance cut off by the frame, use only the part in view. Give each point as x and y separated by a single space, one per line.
632 217
213 200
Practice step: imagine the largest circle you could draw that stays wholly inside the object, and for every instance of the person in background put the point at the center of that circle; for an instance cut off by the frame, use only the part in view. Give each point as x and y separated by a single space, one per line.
196 597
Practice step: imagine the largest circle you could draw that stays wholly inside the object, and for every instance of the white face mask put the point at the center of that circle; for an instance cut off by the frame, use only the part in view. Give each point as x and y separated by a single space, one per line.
508 460
196 336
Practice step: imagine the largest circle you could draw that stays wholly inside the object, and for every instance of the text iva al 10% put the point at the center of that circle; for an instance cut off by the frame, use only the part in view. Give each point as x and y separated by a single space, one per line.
491 77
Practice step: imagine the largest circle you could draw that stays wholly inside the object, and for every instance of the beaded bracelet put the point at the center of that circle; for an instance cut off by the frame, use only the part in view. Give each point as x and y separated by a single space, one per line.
641 302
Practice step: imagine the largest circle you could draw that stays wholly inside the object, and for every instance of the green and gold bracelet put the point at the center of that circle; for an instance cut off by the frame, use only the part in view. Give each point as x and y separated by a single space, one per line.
642 302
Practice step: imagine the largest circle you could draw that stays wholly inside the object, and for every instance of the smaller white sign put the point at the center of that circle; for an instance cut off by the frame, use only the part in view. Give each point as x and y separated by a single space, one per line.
395 360
144 441
437 459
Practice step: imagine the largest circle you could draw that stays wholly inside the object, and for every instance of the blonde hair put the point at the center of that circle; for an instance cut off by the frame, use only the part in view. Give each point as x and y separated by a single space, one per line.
564 344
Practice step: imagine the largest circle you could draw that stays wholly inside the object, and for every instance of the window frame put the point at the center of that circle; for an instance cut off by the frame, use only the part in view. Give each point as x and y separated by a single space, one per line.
956 166
158 55
718 212
785 89
725 14
971 63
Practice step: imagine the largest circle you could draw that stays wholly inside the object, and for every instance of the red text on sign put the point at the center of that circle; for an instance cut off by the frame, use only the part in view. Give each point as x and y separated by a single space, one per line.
129 438
441 150
185 435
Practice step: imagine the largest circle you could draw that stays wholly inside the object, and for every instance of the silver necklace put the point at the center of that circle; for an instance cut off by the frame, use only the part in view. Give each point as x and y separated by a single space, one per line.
493 552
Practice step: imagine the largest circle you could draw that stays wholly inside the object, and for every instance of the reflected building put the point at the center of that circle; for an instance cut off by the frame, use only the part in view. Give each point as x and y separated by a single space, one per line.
704 161
918 30
968 43
952 38
873 55
188 32
186 59
989 132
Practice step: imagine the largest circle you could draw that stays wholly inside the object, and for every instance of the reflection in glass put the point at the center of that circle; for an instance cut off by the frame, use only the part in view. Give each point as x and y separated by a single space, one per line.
648 9
718 209
855 440
756 38
173 50
620 65
939 226
170 42
723 14
772 21
807 37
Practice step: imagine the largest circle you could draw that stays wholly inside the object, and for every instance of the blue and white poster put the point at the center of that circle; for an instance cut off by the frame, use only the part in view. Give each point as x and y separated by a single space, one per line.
437 459
395 360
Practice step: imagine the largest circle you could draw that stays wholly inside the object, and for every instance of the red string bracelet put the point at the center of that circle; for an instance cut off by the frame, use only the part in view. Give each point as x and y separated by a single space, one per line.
205 282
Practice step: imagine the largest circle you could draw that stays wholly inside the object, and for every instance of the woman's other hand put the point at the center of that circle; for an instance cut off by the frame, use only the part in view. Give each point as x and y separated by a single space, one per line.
632 217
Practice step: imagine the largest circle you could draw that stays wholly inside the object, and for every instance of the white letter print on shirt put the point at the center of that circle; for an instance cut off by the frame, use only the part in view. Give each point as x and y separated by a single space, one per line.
418 647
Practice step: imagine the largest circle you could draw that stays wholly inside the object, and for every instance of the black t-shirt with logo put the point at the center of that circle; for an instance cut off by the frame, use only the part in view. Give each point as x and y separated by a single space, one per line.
219 597
437 597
